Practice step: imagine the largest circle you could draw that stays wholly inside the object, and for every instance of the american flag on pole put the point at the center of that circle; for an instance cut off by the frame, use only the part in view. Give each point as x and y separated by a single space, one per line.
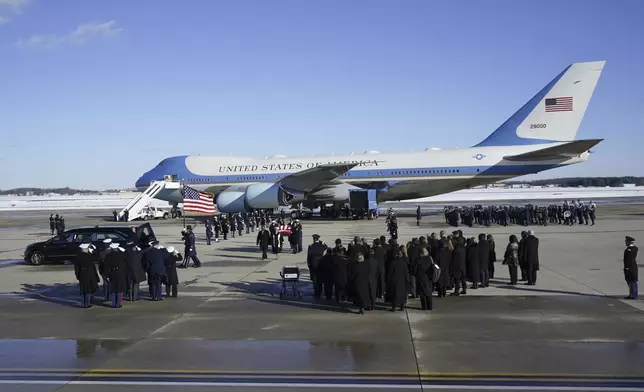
560 104
195 201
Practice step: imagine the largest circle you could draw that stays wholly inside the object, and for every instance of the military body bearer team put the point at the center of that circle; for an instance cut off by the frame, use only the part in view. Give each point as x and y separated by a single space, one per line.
123 267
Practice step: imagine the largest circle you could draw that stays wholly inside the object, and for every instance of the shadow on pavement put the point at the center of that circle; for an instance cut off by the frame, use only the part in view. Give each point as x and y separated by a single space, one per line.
64 294
268 291
532 289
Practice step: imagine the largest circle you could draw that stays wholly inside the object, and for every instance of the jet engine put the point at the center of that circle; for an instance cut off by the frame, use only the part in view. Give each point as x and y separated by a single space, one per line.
232 201
264 195
253 196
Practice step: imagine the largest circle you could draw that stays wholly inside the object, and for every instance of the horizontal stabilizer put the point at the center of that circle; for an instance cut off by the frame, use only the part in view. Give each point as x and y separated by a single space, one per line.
563 151
309 179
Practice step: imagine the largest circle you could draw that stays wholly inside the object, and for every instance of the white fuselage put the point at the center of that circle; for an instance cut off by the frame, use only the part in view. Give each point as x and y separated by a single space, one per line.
397 176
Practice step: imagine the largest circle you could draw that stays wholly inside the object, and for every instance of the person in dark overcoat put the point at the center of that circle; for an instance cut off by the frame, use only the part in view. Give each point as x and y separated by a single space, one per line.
340 272
458 267
397 281
423 271
444 262
356 252
384 245
263 240
511 258
325 274
531 253
473 262
522 262
484 261
172 277
135 272
413 252
116 271
492 260
379 256
362 285
86 274
631 274
154 265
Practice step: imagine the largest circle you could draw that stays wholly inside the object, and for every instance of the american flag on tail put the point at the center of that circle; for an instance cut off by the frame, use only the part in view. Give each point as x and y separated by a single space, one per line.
198 202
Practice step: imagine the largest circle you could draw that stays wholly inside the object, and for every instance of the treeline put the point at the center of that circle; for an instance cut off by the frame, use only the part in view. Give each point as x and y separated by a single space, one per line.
586 181
46 191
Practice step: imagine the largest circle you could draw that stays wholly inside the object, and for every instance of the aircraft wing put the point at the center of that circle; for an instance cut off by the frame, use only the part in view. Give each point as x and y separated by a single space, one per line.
563 151
310 179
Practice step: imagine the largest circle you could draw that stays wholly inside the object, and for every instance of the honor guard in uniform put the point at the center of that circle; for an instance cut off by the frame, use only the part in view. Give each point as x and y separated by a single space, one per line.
172 277
224 227
314 255
190 248
233 226
116 268
52 224
102 270
154 265
208 232
418 216
217 226
86 274
630 267
240 224
246 222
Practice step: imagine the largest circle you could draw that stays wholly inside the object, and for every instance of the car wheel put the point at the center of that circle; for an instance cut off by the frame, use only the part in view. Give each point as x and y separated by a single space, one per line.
295 215
145 217
166 216
36 258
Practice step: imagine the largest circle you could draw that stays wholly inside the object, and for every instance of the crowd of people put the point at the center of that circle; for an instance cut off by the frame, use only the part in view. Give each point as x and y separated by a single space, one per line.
575 212
363 273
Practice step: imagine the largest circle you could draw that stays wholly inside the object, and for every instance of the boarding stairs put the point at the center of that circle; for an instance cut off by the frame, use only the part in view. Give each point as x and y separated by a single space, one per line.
137 205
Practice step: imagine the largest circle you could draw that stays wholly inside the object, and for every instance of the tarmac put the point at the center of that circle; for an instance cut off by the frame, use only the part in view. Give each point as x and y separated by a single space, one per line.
230 331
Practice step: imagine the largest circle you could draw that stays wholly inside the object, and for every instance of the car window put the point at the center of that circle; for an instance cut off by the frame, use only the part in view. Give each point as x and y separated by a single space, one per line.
83 237
64 238
112 236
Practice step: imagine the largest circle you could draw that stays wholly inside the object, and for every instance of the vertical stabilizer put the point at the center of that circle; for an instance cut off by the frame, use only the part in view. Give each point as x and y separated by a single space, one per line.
555 113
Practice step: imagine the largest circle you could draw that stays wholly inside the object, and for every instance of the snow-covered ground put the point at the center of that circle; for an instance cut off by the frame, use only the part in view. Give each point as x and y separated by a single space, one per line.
118 201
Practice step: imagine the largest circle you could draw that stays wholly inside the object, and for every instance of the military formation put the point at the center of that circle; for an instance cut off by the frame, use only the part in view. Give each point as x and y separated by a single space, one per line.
575 212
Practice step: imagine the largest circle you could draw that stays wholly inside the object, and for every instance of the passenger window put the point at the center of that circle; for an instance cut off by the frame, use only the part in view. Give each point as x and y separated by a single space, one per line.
104 236
83 238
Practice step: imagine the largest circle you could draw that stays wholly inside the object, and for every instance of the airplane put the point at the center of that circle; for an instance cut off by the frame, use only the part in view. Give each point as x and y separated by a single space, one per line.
538 137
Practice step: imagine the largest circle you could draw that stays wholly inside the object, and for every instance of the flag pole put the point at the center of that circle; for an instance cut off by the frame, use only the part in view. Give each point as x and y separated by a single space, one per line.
183 205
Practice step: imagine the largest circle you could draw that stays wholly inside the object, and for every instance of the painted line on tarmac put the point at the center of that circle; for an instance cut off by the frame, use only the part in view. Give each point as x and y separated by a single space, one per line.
321 385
